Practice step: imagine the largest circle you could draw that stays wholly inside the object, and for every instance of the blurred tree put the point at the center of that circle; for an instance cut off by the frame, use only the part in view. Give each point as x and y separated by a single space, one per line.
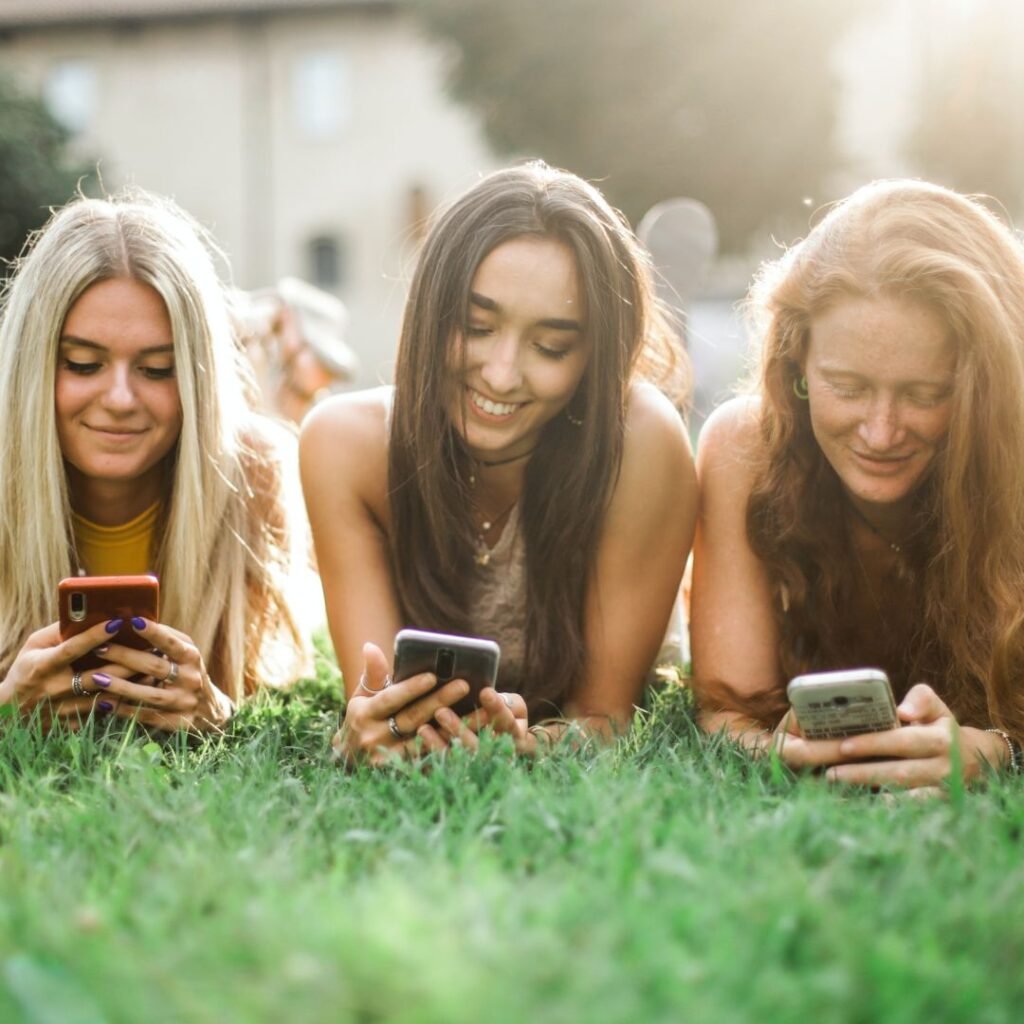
969 133
731 102
35 169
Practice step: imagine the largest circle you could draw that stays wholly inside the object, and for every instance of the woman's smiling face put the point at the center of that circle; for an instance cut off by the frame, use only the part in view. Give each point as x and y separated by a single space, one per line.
880 374
116 396
518 360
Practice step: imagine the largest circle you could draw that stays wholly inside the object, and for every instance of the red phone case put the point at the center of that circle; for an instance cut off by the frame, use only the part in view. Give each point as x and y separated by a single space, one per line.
86 600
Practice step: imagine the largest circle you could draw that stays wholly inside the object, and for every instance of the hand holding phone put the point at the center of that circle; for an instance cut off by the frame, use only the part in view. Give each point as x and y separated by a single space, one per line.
831 705
84 601
448 656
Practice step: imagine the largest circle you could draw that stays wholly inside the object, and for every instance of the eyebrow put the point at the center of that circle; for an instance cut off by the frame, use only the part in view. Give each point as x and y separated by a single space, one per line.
70 339
476 299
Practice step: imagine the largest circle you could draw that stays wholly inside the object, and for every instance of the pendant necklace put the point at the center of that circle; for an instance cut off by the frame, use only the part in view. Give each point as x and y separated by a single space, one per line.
483 552
903 570
896 549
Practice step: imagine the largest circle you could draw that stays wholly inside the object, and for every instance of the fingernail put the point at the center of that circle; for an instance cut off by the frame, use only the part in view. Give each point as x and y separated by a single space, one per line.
463 688
138 623
114 625
105 706
103 649
100 679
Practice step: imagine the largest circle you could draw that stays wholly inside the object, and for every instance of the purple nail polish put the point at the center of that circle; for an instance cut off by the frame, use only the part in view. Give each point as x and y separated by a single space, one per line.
138 623
114 625
105 706
100 679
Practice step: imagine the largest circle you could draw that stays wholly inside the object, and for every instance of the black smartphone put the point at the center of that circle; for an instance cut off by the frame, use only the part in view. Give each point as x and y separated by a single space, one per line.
84 601
830 705
448 656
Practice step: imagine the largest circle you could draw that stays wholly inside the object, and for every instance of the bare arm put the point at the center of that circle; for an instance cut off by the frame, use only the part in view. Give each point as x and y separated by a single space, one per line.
733 635
343 459
643 548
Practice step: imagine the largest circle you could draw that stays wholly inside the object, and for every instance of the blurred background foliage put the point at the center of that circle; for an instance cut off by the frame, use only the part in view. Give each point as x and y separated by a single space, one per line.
732 102
36 171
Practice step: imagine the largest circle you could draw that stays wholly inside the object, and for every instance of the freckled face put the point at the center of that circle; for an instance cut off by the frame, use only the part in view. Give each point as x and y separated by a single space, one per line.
880 374
518 360
116 396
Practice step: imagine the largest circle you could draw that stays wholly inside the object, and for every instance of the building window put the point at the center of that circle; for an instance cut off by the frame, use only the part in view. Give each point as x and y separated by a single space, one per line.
71 94
321 95
326 261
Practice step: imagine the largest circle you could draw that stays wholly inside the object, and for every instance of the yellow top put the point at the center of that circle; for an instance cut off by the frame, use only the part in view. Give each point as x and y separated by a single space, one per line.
124 550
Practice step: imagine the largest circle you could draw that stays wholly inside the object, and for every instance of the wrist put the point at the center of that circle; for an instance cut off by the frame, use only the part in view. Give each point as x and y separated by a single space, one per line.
1011 757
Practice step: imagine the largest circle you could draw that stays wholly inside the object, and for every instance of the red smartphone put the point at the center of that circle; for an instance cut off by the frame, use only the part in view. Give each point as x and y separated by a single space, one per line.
86 600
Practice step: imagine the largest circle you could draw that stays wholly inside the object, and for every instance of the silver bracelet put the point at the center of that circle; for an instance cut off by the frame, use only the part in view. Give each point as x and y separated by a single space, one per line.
1013 764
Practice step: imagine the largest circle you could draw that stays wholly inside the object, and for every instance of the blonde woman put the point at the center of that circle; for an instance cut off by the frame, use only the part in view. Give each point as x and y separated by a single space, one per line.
866 506
127 446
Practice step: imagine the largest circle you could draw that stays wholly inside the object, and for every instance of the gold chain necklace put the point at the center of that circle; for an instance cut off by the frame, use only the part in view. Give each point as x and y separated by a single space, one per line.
483 552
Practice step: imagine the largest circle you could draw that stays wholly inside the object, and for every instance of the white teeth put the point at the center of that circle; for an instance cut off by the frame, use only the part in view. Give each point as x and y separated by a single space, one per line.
493 408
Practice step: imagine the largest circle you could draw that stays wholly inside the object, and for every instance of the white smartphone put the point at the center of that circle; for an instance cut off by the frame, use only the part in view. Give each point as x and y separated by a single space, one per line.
830 705
448 656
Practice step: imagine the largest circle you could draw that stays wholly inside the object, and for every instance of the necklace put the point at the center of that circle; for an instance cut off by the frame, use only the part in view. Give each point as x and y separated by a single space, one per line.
483 552
490 464
895 548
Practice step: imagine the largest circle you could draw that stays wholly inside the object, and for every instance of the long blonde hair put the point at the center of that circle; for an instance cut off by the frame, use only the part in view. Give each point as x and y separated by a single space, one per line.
927 244
228 551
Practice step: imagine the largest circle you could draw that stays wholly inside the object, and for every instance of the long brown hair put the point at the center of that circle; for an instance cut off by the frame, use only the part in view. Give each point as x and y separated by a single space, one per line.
926 244
570 477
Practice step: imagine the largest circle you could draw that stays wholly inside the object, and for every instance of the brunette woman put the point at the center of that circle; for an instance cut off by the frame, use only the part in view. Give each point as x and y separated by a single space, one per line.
524 480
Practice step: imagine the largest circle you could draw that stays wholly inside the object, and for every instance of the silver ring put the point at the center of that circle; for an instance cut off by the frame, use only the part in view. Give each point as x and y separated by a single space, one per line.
396 732
76 686
369 689
172 672
507 698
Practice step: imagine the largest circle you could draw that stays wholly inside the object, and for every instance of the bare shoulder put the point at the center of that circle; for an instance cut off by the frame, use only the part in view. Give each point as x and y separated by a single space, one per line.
343 451
357 418
347 432
731 435
655 431
657 474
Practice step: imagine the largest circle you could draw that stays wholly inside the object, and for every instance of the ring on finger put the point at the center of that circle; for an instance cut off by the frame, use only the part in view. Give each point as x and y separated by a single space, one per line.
172 672
76 686
363 685
507 698
396 732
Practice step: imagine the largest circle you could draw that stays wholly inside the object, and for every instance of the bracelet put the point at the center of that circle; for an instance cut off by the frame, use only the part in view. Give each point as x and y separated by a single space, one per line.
1016 756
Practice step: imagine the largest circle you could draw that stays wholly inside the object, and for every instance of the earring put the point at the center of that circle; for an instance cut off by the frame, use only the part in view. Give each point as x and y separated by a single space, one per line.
576 421
800 388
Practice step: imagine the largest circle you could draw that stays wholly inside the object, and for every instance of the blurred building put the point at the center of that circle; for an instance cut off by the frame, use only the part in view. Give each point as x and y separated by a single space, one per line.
313 137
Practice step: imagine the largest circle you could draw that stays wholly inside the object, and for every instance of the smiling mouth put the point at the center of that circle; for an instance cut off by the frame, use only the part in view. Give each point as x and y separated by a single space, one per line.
492 408
111 432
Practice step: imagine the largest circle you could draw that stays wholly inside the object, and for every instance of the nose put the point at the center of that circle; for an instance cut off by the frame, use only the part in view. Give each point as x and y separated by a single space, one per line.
500 370
119 395
882 428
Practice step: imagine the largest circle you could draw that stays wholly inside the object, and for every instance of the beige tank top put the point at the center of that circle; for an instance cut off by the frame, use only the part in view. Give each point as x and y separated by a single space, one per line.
498 608
498 601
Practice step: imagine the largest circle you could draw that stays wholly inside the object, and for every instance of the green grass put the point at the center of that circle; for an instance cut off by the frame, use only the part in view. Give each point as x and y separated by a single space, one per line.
668 878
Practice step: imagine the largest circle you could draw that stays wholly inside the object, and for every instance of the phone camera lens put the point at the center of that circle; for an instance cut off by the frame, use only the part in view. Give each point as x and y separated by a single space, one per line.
76 604
445 664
